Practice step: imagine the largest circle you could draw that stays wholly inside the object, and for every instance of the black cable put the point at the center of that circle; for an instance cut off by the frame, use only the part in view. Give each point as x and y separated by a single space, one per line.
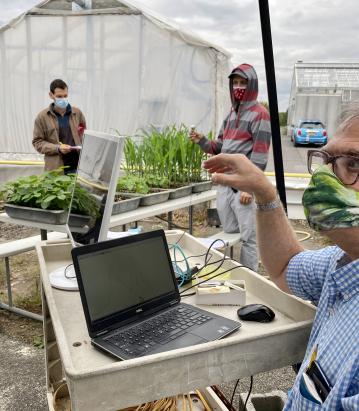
221 261
67 276
249 393
213 271
170 222
210 278
234 391
206 260
209 248
180 237
193 256
188 295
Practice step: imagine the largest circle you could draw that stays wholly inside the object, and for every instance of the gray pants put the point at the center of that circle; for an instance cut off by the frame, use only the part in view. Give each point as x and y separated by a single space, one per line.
236 217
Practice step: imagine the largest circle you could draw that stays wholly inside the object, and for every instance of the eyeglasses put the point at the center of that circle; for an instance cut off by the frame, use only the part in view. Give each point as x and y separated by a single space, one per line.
345 167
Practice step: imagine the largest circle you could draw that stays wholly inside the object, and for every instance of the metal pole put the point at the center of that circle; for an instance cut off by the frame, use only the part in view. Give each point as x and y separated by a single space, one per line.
272 99
43 234
190 219
170 220
8 281
22 312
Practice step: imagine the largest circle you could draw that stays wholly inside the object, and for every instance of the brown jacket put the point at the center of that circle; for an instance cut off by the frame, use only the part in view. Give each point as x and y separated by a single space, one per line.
46 135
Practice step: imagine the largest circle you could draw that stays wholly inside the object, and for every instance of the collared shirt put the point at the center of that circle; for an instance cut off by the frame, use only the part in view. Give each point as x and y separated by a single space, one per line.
331 281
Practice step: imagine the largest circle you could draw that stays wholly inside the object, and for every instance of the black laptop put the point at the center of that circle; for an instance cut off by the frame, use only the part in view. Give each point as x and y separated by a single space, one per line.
131 300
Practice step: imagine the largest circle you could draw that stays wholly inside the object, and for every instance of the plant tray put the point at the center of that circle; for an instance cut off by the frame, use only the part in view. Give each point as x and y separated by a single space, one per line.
36 214
155 198
202 186
129 204
78 220
180 192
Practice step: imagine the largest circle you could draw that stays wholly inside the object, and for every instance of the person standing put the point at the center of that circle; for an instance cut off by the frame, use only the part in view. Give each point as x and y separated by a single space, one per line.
245 130
58 130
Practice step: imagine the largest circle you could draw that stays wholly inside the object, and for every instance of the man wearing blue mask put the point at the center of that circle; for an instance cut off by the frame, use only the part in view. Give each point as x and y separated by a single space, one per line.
58 130
329 376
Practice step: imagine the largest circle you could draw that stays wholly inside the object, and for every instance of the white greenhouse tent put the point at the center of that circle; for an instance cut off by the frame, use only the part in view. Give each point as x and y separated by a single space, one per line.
126 69
321 91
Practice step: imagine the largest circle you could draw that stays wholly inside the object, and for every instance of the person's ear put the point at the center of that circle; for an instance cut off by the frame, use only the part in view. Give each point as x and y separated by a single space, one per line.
51 95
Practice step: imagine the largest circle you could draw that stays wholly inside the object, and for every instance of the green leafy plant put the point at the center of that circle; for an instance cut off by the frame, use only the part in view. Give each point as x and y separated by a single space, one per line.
157 181
38 341
132 184
49 191
84 203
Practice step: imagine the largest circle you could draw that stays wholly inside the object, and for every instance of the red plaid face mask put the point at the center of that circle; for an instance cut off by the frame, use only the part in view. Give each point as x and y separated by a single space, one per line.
238 93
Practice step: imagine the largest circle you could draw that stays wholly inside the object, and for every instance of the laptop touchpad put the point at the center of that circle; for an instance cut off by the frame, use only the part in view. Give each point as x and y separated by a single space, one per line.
211 329
185 341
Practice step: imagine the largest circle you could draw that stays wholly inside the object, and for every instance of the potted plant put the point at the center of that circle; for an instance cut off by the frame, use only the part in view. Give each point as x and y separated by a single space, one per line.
46 198
166 159
128 192
131 186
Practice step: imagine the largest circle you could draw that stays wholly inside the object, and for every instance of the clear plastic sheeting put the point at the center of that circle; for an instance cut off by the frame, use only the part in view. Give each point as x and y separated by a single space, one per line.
124 71
10 172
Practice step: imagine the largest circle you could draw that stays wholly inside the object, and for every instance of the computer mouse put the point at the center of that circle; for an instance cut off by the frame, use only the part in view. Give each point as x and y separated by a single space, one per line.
256 312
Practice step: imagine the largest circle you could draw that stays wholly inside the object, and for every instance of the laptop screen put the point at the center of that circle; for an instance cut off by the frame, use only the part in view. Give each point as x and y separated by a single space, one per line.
129 274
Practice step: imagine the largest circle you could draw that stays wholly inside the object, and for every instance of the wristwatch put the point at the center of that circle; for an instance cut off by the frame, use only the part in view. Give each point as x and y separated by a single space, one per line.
269 206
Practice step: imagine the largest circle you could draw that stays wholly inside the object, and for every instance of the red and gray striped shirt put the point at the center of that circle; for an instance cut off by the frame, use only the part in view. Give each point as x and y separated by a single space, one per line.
246 129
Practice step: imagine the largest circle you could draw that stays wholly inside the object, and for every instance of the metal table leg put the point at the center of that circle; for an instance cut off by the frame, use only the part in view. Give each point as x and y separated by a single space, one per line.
169 219
190 219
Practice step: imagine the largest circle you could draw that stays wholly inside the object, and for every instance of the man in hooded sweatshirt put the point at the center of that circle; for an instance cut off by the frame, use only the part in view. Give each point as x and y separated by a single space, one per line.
245 130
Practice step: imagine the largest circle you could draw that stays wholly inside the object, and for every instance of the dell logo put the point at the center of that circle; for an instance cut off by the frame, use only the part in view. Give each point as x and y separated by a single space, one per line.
139 310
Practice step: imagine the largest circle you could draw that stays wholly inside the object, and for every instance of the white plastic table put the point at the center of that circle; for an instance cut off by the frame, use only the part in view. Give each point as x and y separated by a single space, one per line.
99 382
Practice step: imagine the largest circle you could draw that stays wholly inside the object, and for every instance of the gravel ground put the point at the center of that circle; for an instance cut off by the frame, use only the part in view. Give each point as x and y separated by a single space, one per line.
22 359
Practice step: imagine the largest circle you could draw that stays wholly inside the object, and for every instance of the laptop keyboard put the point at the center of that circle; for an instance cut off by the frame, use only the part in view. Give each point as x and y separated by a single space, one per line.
157 330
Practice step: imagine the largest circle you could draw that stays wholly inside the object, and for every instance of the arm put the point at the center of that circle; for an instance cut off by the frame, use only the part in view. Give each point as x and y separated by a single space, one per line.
276 239
213 146
261 134
82 122
210 146
39 142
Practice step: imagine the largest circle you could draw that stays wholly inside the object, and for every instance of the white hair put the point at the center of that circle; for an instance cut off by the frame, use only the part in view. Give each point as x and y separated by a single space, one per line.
349 116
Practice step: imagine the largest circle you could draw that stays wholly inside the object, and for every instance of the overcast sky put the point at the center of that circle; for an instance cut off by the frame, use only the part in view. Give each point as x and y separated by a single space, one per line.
312 31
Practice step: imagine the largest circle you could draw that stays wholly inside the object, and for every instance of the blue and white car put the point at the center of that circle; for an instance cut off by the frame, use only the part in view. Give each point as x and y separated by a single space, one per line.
309 132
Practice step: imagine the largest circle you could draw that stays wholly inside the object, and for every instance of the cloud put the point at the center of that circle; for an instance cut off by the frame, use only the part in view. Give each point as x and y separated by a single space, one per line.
324 30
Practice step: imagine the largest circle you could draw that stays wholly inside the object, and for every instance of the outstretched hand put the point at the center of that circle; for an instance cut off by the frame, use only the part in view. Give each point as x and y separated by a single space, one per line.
237 171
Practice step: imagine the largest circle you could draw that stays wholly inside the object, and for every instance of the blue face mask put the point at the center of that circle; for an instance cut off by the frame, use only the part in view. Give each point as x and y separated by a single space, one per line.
61 102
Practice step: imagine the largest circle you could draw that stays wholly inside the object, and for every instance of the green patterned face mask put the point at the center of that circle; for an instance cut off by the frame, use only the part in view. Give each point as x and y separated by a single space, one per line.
328 204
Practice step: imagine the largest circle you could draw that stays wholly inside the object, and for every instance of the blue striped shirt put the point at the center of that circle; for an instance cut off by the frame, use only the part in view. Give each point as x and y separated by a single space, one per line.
332 283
